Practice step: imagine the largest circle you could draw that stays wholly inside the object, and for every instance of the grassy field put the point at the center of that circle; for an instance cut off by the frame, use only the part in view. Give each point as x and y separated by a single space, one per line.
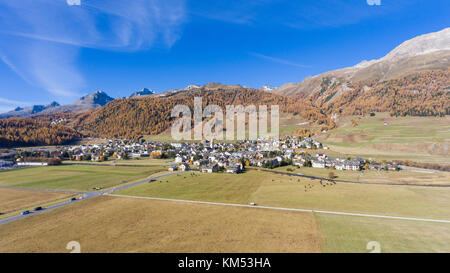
74 177
13 200
413 176
339 233
203 187
284 191
112 224
423 139
122 224
351 234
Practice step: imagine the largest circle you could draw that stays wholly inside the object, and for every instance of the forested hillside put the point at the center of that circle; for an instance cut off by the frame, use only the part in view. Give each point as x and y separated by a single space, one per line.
133 117
420 94
26 132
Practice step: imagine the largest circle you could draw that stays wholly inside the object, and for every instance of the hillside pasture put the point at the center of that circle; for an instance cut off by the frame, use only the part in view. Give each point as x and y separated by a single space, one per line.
422 139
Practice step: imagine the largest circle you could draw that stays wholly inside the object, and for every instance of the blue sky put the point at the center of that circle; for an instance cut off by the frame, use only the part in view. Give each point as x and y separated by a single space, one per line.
62 49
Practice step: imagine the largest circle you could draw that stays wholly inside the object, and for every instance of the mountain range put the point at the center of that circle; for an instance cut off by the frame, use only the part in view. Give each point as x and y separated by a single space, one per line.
85 103
426 52
142 92
413 79
28 111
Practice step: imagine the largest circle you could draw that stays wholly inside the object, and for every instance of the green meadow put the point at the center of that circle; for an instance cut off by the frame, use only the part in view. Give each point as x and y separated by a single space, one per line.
283 191
74 177
422 139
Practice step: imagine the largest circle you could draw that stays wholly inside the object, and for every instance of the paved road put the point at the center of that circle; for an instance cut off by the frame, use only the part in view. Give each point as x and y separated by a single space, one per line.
287 209
17 217
86 195
346 181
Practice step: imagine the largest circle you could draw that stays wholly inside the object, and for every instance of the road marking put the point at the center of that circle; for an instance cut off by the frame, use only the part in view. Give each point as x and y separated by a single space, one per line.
287 209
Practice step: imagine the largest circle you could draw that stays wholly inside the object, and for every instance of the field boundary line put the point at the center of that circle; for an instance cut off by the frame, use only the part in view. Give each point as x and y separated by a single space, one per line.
285 209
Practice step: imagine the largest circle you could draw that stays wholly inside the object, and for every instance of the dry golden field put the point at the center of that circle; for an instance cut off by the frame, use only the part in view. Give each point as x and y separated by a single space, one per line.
13 200
116 224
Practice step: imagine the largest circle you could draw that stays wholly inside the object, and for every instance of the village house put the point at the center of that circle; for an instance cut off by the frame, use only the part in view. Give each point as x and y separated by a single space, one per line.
210 168
184 167
321 156
352 165
95 158
179 159
318 164
201 162
233 169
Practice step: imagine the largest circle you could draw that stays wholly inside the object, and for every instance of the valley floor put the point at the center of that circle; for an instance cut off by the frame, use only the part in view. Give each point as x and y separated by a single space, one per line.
127 224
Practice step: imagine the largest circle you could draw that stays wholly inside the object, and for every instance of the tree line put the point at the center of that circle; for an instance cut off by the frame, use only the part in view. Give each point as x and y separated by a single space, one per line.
28 132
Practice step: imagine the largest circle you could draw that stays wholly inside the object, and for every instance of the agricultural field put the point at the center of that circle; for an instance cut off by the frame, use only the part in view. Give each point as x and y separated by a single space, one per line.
421 139
202 187
271 189
409 176
340 233
115 224
74 177
129 224
345 234
14 200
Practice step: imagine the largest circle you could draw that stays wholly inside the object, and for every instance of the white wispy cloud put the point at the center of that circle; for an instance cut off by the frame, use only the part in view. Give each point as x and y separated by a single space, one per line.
299 14
40 39
12 102
277 60
73 2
